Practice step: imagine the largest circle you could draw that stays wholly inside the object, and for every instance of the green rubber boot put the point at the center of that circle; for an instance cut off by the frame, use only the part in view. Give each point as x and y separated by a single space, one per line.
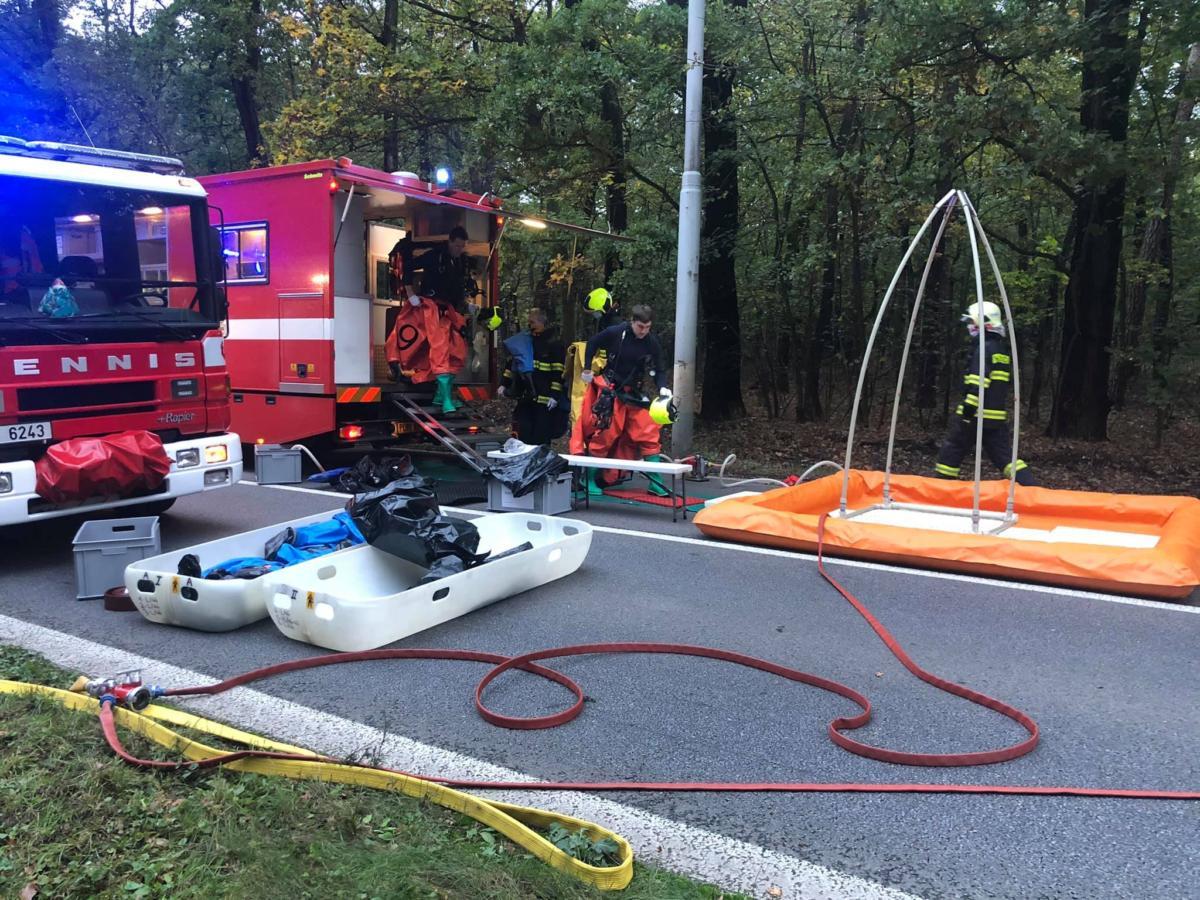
656 487
593 487
445 394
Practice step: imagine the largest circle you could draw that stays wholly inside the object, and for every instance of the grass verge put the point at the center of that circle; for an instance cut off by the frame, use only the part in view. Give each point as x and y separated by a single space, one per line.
76 822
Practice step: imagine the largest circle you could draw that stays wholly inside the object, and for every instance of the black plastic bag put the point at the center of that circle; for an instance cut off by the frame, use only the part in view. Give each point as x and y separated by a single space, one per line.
447 565
521 474
248 570
370 474
404 519
271 548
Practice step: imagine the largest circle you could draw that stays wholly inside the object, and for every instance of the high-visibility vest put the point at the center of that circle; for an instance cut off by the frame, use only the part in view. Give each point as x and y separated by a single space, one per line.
576 353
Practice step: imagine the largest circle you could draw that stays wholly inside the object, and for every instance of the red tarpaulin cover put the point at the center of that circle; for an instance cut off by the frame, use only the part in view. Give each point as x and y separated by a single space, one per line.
122 465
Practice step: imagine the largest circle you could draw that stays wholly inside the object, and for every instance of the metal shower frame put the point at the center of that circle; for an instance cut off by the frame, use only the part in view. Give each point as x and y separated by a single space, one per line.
1007 518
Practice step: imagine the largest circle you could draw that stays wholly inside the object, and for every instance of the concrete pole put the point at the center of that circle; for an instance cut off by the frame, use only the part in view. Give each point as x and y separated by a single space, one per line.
687 269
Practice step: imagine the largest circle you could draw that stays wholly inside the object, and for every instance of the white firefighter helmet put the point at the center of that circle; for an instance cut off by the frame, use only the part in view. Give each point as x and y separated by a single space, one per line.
991 316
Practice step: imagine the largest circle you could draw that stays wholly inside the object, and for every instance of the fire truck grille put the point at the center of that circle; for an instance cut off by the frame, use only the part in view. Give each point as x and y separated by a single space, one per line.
84 395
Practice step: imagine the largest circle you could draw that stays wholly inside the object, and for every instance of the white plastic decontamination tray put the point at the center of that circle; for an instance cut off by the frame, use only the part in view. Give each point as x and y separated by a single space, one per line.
363 598
162 595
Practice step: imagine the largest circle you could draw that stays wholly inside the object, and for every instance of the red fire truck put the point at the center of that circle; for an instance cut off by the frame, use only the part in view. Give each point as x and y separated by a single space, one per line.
140 350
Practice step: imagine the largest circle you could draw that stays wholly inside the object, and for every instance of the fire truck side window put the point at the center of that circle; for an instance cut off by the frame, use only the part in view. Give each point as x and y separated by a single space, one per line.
245 248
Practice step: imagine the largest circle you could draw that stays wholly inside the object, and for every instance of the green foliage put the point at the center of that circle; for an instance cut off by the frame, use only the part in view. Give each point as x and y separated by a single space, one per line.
579 844
853 117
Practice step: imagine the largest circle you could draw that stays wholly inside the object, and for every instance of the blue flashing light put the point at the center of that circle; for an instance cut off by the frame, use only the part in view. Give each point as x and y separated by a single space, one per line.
442 175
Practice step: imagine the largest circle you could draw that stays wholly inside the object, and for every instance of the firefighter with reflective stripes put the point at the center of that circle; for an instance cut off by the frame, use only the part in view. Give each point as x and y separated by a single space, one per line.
994 371
534 378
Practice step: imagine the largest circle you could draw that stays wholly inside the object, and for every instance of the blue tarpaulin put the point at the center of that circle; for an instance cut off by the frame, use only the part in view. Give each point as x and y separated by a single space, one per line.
521 347
306 542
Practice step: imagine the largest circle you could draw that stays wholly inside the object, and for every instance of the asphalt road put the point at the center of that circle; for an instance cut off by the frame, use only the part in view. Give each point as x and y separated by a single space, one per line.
1113 687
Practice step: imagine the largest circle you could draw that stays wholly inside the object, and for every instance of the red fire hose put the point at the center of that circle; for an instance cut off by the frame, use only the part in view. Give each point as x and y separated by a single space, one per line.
528 662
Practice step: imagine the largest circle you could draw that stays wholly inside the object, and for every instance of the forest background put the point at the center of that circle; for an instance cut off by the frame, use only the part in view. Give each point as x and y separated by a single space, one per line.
830 129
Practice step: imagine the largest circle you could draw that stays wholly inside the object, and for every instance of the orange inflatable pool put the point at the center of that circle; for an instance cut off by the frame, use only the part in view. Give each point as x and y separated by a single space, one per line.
1118 543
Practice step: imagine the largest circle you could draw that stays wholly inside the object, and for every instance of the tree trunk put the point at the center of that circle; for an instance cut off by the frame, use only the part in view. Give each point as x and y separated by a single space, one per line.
797 238
614 191
1163 340
809 408
937 299
1041 354
613 159
722 370
245 87
1134 310
1109 67
391 123
857 335
49 24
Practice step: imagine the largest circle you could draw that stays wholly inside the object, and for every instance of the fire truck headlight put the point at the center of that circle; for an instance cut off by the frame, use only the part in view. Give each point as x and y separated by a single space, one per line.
216 453
186 459
215 477
5 482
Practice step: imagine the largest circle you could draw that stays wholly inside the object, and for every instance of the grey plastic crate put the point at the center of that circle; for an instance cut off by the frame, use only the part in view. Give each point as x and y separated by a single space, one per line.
551 497
104 547
274 464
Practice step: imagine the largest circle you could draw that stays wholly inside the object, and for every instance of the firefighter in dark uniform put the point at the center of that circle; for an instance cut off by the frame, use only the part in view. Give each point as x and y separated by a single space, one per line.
534 378
445 274
995 371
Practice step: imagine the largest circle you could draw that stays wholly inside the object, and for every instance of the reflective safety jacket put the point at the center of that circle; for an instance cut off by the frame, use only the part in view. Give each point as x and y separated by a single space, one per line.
996 375
546 380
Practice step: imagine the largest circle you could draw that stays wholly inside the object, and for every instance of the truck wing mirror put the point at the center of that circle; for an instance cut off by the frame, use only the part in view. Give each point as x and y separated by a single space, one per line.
216 253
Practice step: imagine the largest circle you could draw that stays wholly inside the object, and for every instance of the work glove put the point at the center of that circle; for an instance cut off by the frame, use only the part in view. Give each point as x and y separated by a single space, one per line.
586 376
414 300
664 392
551 403
501 391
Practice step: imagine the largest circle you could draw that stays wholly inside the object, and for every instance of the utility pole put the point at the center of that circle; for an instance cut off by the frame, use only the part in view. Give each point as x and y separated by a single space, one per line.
687 269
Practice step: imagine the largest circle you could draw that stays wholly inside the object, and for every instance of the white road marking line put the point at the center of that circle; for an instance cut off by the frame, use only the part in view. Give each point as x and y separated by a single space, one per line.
809 557
728 863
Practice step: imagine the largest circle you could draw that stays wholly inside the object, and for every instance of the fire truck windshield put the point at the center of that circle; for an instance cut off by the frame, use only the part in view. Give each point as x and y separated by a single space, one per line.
83 257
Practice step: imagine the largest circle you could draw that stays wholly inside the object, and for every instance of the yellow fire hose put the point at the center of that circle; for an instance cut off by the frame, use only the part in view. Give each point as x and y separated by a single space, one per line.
518 823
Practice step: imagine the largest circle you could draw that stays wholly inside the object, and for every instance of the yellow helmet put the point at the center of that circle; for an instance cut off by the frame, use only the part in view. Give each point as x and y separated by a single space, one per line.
991 315
663 410
598 301
493 321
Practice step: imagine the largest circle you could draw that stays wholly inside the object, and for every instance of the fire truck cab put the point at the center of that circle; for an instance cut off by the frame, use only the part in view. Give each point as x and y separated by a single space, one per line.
110 315
312 300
